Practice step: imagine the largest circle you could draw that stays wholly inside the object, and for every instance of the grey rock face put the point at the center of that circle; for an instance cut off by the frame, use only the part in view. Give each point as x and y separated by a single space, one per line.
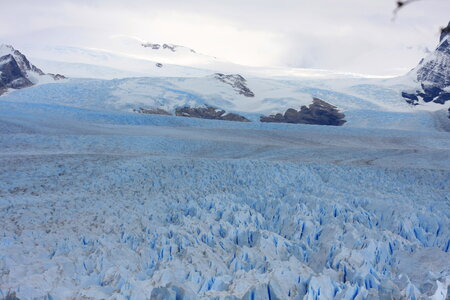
14 69
209 112
318 113
437 70
411 98
12 76
238 83
433 74
154 111
152 46
23 63
57 76
170 47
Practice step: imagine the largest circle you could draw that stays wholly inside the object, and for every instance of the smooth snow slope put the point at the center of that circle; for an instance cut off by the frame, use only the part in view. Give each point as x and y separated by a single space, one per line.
79 62
133 59
100 205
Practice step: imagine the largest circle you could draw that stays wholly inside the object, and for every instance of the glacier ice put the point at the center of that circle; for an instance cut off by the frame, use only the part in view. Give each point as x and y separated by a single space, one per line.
115 206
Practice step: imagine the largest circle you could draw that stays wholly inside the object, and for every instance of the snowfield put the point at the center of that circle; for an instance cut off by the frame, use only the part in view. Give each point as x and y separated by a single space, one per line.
105 204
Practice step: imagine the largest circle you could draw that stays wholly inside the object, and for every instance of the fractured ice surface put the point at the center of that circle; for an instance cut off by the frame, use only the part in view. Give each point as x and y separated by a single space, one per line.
163 208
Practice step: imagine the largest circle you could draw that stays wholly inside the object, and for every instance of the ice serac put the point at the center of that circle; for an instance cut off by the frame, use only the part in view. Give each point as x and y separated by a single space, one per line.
17 72
433 74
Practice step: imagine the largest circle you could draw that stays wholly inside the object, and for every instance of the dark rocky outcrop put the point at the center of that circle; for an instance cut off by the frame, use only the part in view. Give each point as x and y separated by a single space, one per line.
153 111
151 46
12 76
209 112
15 70
159 65
238 83
206 112
433 74
411 98
57 76
318 113
170 47
23 63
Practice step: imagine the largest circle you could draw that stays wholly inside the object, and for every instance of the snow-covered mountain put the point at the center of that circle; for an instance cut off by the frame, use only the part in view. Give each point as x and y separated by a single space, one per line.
175 54
135 58
131 58
80 62
168 47
136 81
433 74
17 72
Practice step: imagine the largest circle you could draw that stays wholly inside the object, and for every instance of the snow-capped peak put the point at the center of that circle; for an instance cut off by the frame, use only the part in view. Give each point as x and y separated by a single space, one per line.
176 54
17 71
433 74
435 68
21 60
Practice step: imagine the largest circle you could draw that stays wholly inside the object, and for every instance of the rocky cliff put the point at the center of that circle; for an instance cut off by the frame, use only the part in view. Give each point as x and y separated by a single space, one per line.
318 113
433 74
17 72
237 82
209 112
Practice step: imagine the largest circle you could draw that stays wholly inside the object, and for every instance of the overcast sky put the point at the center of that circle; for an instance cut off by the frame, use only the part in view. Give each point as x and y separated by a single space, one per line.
345 35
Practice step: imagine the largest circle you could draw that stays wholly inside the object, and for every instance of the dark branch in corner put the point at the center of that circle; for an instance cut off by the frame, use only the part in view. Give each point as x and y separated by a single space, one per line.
400 4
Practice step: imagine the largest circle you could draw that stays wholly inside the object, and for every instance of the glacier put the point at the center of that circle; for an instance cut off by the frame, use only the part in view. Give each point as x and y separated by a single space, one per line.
107 204
367 103
100 202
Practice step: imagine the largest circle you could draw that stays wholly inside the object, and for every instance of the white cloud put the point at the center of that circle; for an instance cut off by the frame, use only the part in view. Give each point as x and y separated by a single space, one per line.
346 35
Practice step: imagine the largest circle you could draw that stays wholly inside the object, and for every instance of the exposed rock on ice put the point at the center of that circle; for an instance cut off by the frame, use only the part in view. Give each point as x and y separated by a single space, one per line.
318 113
209 112
237 82
156 111
170 47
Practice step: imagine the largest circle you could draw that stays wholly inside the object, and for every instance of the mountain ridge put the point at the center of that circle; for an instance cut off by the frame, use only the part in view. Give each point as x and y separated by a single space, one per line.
433 74
17 72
